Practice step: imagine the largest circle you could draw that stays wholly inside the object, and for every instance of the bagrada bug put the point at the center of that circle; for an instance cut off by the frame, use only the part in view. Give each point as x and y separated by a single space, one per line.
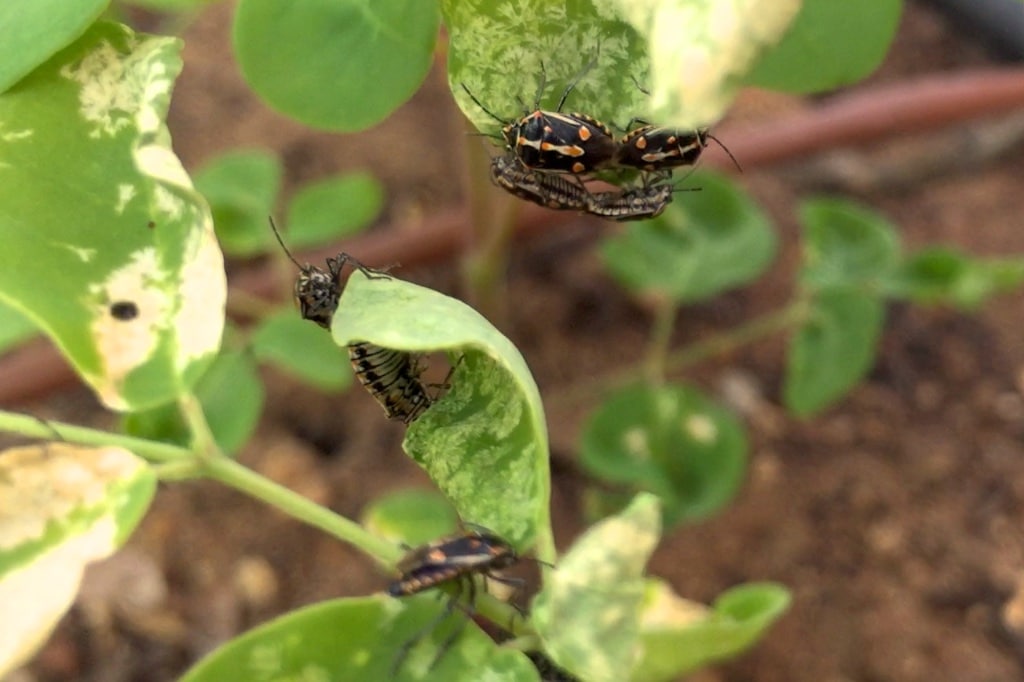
452 559
654 148
391 376
554 141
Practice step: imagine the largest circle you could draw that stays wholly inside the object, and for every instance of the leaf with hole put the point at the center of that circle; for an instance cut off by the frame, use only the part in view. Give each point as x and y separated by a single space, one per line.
705 243
107 247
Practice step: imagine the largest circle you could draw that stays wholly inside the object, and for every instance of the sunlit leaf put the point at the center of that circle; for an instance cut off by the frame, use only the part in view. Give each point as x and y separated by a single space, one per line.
414 516
107 246
484 443
61 507
357 640
588 612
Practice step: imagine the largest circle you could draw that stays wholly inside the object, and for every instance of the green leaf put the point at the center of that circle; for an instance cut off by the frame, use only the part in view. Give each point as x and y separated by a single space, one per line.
336 64
700 51
231 395
484 443
503 55
845 244
15 328
241 187
672 441
302 350
61 507
833 349
830 44
587 615
171 6
337 207
413 516
942 275
705 243
355 640
106 245
679 636
35 31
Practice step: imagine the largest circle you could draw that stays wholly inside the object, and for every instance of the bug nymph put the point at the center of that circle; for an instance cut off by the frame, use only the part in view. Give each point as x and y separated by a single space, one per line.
391 376
653 148
554 141
549 191
453 559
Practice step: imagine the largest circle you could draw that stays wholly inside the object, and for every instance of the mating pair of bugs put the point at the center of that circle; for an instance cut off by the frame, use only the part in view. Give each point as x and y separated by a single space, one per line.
542 144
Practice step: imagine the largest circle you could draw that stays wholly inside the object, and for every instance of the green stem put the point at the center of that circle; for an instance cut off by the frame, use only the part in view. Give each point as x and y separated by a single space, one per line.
35 427
776 321
719 344
234 475
491 231
204 445
661 338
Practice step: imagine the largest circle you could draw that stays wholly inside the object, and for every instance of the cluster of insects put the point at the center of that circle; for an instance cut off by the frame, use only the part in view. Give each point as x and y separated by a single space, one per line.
549 155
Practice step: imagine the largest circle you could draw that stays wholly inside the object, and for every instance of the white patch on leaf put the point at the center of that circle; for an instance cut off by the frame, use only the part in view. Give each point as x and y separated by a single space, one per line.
701 428
84 254
125 193
121 87
203 292
16 135
124 345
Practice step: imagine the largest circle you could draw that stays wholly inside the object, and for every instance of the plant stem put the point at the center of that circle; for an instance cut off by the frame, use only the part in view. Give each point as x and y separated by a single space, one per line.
661 338
719 344
491 230
234 475
776 321
36 427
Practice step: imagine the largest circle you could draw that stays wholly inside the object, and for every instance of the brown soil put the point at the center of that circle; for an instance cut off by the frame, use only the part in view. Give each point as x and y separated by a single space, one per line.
895 518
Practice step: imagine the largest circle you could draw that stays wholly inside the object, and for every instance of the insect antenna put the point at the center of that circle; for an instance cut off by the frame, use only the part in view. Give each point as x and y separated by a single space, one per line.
280 241
726 149
575 81
480 104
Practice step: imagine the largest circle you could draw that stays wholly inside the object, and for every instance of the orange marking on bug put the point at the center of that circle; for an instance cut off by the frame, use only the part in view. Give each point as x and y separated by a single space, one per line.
641 142
584 133
578 167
